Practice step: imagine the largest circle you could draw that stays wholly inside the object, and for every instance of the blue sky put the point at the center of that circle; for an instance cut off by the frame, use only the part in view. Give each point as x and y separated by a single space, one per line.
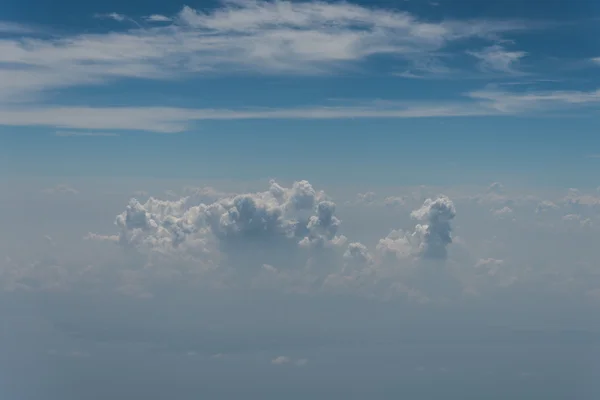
481 90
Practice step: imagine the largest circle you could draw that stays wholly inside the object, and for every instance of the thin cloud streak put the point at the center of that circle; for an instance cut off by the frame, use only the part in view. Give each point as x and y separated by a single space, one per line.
85 134
170 120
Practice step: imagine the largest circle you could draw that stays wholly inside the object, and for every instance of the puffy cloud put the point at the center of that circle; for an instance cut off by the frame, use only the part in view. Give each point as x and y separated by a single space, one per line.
496 187
435 234
578 219
278 225
394 201
430 239
503 212
545 206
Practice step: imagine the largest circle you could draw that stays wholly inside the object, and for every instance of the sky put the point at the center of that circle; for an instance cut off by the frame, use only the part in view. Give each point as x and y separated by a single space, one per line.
273 199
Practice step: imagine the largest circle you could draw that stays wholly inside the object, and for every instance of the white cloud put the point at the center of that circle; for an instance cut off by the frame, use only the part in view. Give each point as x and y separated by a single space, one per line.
497 58
158 18
281 360
169 120
263 37
115 16
287 221
522 102
428 240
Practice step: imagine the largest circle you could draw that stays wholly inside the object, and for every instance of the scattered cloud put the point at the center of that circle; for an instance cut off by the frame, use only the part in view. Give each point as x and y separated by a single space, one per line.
503 212
114 16
170 120
523 102
158 18
497 59
429 240
62 188
251 36
281 360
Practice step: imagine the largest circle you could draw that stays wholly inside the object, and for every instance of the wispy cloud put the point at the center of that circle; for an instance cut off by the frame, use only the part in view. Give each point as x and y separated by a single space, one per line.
117 17
497 59
484 102
170 120
85 134
249 36
15 28
532 101
158 18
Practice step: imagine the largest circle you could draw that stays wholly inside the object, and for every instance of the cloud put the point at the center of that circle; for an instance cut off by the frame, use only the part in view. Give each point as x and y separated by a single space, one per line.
496 58
545 206
279 226
277 37
62 188
503 212
429 240
496 188
281 360
158 18
596 60
583 222
170 120
84 134
15 28
114 16
523 102
437 215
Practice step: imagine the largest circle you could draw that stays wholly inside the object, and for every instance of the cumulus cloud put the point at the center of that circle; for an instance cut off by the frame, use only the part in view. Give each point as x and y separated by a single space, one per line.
578 219
503 212
496 188
435 234
430 239
281 226
545 206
